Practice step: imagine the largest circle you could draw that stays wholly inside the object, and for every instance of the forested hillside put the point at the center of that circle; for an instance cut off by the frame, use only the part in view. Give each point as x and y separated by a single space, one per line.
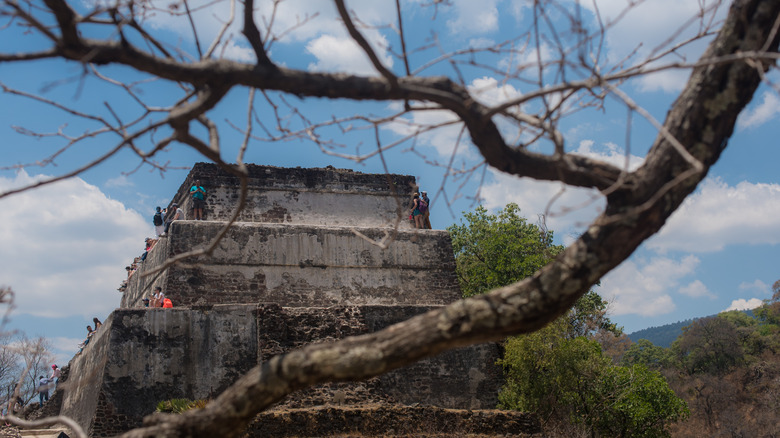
662 335
727 368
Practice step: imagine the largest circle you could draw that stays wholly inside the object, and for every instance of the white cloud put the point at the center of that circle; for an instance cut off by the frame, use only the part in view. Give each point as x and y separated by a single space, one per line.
481 43
444 139
642 286
64 347
238 53
66 247
320 17
573 207
572 210
696 289
756 287
765 111
742 304
668 81
610 153
119 181
490 92
473 17
343 54
718 215
647 28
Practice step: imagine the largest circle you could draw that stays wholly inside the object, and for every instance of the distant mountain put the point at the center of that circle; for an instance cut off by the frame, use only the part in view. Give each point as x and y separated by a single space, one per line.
662 336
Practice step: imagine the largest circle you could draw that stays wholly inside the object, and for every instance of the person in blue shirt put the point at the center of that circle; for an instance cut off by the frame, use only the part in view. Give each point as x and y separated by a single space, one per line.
198 200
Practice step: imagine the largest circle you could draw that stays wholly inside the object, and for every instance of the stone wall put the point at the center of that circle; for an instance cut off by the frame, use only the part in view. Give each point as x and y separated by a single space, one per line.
461 378
329 196
143 356
293 271
396 421
300 265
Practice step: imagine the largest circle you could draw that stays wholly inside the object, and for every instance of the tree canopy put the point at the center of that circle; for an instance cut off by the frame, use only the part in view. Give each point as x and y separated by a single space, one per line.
559 371
494 250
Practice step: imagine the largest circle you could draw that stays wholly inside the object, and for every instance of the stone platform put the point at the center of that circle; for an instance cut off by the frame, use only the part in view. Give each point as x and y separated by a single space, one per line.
300 266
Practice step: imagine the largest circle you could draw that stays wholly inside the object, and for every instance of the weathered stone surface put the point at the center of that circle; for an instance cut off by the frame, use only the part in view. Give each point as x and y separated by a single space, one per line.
399 421
300 265
329 196
143 356
292 273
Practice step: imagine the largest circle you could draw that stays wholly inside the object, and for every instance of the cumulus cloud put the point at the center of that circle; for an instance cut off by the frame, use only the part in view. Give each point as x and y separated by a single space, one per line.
444 138
668 81
302 20
568 210
643 286
343 54
743 304
119 181
645 28
697 289
718 215
472 17
756 287
66 247
764 112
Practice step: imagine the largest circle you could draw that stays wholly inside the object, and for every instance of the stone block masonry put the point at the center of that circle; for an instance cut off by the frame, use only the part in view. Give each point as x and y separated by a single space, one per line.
291 272
300 265
143 356
329 196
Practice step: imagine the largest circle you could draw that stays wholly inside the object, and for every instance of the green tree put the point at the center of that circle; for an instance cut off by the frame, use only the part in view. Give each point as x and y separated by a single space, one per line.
635 402
645 353
709 345
560 372
493 250
547 371
570 380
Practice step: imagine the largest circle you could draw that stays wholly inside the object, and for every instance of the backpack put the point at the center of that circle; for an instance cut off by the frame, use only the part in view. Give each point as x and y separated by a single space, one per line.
157 219
422 205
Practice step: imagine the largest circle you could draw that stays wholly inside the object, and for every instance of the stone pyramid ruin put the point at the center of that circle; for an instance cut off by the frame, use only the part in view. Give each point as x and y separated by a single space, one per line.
293 270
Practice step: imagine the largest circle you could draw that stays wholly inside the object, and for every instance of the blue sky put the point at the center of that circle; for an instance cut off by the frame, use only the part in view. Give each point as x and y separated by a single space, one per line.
66 245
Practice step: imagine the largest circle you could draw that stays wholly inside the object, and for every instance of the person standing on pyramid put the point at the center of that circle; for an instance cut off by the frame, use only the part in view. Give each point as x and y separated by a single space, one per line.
198 200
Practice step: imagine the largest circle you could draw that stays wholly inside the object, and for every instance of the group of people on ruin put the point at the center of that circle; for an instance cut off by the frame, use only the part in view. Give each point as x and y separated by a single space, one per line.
163 217
420 210
137 261
45 384
158 299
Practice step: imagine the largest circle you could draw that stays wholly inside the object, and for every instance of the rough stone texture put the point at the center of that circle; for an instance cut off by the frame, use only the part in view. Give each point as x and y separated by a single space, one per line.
287 276
461 378
382 420
329 196
300 265
149 355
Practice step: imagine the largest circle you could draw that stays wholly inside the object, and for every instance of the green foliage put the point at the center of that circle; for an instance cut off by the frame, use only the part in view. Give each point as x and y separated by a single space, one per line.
546 370
179 405
559 372
634 402
709 345
569 379
645 353
496 250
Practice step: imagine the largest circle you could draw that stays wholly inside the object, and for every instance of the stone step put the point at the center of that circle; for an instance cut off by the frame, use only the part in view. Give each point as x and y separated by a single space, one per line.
46 433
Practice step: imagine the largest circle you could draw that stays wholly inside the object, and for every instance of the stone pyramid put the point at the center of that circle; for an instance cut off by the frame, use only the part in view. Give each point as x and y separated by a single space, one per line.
298 267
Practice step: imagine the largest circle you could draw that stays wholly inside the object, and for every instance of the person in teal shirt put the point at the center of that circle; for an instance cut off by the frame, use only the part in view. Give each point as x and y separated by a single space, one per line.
198 200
